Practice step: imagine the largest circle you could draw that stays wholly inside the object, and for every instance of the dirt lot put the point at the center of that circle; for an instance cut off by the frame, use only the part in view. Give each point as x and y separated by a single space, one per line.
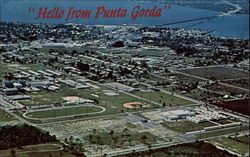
135 105
240 106
226 90
243 83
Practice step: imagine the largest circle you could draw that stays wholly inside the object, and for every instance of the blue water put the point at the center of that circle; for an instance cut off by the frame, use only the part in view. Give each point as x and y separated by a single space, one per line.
235 26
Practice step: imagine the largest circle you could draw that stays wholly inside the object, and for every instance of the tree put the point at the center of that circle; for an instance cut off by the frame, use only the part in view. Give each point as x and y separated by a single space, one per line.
166 70
82 66
94 131
164 104
118 44
129 141
141 106
98 140
126 130
144 138
115 140
111 133
90 138
74 52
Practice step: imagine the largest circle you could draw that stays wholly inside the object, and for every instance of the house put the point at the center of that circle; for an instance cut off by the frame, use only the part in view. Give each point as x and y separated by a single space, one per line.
40 84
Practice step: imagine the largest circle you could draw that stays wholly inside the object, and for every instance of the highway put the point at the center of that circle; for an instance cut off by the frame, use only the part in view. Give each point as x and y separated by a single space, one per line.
59 148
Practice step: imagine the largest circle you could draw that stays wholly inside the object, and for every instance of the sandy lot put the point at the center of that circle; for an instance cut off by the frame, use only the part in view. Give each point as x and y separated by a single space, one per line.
135 105
73 99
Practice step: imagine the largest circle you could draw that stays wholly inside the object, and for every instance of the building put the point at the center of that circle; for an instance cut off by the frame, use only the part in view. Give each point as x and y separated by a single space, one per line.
10 91
177 114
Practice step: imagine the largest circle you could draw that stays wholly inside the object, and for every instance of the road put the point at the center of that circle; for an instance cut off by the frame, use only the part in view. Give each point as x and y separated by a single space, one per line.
237 9
141 149
65 107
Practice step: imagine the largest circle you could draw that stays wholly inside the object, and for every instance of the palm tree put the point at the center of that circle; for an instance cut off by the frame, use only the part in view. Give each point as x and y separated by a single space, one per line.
111 133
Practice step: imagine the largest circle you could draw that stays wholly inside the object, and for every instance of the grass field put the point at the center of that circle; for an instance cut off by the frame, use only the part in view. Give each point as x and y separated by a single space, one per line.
217 73
154 78
186 126
36 67
222 132
49 97
182 78
244 139
5 68
231 145
152 52
18 67
22 152
113 104
5 117
161 98
64 112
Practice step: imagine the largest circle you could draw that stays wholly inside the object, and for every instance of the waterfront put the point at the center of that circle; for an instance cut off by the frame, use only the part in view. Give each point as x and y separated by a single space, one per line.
231 25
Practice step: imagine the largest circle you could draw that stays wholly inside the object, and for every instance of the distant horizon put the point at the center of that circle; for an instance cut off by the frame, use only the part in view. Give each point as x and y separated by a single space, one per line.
231 24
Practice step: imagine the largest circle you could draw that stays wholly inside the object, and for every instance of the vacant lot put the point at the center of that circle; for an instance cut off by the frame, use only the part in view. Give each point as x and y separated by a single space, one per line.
216 73
182 78
186 79
227 90
243 83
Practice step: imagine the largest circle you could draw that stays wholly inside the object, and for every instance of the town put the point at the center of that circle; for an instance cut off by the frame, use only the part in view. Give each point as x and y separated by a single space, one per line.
103 90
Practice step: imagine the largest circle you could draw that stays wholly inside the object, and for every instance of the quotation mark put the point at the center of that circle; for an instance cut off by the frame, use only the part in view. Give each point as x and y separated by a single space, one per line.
31 9
167 7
